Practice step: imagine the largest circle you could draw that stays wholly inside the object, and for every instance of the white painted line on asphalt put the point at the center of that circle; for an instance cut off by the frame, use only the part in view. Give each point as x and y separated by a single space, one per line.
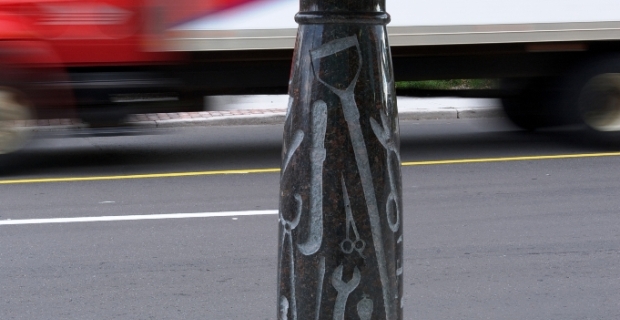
139 217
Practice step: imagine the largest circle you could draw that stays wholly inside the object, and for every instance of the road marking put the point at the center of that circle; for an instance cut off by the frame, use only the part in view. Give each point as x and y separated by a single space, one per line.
505 159
142 176
277 170
140 217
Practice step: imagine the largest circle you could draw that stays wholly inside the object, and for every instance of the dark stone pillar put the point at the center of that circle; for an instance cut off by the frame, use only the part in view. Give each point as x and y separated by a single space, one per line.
340 241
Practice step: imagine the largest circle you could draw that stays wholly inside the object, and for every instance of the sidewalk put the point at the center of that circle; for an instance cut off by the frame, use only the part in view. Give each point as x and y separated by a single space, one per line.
271 109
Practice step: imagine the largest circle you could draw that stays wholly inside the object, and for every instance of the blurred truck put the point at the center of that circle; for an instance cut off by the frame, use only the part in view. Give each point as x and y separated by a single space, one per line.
100 60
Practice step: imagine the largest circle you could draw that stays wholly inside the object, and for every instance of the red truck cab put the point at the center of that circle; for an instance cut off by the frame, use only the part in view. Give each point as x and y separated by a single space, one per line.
84 33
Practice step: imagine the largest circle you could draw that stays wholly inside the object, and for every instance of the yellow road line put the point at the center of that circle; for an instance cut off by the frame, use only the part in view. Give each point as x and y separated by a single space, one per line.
505 159
276 170
141 176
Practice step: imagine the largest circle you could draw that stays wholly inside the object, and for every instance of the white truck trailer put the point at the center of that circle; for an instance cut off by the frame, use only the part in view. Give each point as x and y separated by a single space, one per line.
558 61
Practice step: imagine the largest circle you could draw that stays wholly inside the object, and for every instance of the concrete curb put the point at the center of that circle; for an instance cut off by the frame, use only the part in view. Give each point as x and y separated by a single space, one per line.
450 114
257 119
278 118
254 112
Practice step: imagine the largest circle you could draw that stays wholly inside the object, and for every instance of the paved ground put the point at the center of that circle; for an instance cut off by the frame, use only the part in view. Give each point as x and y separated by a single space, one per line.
498 225
270 109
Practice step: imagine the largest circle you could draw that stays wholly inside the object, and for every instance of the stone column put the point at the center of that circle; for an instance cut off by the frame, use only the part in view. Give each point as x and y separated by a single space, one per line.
340 230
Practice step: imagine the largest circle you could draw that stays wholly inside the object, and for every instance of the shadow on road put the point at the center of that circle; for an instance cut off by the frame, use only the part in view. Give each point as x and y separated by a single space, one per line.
246 147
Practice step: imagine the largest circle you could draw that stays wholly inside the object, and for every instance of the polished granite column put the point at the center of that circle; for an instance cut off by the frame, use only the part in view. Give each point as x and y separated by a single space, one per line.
340 224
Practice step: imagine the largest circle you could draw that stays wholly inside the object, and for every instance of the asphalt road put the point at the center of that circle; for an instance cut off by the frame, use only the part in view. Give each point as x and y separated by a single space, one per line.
488 235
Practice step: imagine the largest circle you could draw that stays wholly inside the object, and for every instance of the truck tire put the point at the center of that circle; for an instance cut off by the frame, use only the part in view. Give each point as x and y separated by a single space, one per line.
15 110
593 99
528 103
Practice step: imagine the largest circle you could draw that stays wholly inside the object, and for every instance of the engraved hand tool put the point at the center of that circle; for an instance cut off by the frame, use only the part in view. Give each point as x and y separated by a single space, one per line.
384 137
347 245
365 308
283 308
351 115
319 294
288 227
297 139
344 290
318 154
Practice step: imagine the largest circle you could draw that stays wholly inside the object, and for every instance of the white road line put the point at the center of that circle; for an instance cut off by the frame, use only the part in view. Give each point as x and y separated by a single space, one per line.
139 217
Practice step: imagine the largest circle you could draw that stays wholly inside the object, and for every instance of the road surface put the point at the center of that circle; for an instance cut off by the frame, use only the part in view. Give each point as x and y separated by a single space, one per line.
498 224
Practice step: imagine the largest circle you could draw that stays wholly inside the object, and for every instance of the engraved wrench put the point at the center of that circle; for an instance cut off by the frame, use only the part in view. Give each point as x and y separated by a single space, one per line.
344 290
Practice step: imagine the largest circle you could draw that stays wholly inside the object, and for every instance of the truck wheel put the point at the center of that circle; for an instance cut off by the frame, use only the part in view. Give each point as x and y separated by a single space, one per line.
594 99
15 109
528 103
599 102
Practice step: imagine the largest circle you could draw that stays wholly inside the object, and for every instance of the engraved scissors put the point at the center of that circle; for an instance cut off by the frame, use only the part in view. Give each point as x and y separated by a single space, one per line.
347 245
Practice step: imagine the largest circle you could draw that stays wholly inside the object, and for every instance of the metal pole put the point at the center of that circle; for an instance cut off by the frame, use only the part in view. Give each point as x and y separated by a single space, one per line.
340 244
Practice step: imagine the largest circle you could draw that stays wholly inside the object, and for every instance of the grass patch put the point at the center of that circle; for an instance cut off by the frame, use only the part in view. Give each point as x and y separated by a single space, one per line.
456 84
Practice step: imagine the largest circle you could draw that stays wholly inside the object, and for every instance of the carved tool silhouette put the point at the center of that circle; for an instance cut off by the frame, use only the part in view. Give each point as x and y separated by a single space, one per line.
392 206
288 226
297 139
318 153
319 294
352 115
347 245
365 308
344 290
